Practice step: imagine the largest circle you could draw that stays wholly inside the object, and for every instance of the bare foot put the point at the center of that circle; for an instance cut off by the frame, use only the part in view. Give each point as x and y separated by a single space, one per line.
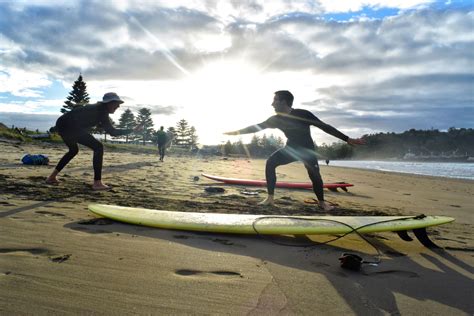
100 187
268 201
326 206
52 181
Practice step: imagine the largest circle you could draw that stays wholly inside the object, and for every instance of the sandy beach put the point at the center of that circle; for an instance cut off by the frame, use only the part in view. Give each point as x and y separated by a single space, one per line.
57 257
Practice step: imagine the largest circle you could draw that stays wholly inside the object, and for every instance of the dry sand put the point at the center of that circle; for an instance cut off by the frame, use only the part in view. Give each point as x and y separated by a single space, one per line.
55 257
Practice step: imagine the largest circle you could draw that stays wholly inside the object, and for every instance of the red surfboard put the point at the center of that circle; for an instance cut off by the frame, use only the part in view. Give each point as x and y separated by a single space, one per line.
288 185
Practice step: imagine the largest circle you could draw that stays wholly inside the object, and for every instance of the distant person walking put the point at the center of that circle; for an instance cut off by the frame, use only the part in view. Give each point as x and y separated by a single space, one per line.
295 124
74 128
162 142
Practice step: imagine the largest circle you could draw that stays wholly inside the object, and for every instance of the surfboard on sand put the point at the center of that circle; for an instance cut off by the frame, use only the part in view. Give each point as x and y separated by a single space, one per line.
279 184
264 224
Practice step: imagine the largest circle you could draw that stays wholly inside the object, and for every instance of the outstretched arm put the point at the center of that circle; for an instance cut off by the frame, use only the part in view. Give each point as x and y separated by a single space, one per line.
336 133
248 130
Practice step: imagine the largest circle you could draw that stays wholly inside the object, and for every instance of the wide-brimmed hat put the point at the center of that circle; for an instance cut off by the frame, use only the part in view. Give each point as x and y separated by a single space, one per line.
109 97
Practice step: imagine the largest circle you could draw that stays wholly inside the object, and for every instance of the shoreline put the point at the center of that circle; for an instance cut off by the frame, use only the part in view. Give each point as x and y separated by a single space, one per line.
468 181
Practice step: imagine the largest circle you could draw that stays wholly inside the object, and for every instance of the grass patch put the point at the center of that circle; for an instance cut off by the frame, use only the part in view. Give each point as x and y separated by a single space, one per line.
9 134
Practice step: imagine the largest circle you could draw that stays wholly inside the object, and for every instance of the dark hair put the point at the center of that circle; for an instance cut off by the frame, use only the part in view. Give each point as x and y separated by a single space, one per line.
285 95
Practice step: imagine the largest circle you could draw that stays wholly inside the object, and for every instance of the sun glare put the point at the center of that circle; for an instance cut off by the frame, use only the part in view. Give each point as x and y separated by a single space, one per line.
226 95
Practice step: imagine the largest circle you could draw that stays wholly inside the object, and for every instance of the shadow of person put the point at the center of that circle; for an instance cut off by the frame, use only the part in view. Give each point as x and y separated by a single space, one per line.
400 284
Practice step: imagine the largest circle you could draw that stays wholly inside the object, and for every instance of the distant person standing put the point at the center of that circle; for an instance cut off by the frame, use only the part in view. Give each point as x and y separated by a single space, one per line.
162 142
295 124
327 162
74 128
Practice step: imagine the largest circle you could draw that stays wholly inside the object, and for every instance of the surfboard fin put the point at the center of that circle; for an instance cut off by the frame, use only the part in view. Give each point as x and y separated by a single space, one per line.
421 235
344 189
403 234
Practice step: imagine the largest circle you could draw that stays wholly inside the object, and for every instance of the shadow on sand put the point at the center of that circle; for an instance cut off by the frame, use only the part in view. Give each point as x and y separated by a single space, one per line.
373 290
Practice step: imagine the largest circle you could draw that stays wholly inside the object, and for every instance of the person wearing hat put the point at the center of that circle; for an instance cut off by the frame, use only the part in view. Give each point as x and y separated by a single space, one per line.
74 128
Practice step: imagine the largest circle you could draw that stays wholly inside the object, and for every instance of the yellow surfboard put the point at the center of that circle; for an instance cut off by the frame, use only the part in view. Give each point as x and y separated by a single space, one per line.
264 224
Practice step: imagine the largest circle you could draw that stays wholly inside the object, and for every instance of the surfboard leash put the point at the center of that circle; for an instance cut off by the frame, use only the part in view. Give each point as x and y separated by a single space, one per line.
347 260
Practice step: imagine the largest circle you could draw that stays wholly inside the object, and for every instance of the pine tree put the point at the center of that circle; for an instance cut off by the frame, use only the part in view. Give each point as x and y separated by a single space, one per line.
77 97
227 148
127 121
145 121
193 138
182 133
254 146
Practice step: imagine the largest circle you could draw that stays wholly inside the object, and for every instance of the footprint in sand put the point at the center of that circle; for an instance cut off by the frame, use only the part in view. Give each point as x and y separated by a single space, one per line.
33 251
222 241
397 273
223 273
181 237
60 258
96 221
50 214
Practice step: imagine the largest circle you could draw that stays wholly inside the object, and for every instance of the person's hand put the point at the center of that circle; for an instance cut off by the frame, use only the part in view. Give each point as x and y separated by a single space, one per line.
356 141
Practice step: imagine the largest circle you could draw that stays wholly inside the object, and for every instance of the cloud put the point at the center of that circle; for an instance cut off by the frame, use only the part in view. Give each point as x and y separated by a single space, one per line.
42 122
411 69
155 109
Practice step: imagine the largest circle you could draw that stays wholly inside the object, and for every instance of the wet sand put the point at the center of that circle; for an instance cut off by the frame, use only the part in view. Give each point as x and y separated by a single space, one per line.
56 257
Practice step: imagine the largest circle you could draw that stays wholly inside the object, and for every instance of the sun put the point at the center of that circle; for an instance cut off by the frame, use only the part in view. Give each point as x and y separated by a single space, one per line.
227 95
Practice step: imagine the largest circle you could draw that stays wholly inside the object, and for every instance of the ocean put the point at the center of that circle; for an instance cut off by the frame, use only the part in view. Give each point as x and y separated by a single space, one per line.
458 170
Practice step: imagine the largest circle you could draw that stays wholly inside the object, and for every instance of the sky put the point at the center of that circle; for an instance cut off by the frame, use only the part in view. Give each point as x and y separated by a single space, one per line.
362 66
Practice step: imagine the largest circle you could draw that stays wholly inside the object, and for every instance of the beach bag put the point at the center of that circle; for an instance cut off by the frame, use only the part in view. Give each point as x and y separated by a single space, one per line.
36 160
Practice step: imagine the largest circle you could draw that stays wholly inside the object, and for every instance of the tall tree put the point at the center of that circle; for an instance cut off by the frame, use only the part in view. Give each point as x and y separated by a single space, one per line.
77 97
193 138
127 121
145 121
182 133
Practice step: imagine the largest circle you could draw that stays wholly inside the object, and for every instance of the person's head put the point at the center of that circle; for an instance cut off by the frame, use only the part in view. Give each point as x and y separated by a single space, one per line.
112 101
283 101
161 128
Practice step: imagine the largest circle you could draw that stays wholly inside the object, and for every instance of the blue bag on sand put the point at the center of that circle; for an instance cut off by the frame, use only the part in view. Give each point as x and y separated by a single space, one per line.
35 159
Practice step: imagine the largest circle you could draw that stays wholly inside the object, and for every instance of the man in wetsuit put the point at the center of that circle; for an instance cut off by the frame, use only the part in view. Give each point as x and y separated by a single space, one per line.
162 140
74 128
295 124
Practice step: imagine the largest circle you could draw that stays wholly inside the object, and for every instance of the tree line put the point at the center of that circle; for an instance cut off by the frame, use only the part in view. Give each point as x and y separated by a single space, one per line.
258 146
453 142
182 135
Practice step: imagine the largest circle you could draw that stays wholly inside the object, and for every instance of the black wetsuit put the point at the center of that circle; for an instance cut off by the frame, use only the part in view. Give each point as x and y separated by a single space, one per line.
162 140
74 128
299 146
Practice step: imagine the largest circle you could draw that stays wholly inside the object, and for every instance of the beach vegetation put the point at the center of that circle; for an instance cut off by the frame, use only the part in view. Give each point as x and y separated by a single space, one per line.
12 133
